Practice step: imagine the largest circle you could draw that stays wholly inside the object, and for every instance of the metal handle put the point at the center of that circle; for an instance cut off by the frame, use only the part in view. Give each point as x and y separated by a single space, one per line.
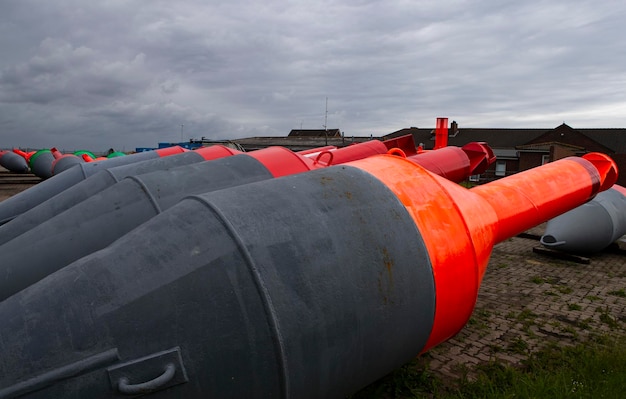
397 152
318 159
148 386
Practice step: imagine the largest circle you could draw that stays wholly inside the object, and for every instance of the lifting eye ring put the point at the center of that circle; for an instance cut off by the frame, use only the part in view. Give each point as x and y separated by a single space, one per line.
321 154
145 387
397 152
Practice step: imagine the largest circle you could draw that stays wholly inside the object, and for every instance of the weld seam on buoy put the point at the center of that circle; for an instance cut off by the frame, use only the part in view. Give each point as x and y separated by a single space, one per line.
262 289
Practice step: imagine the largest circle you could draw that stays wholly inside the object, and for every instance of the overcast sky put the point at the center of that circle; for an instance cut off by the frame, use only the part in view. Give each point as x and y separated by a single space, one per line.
80 74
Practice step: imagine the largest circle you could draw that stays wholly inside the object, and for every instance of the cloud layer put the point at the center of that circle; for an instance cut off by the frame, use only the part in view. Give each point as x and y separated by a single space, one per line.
123 74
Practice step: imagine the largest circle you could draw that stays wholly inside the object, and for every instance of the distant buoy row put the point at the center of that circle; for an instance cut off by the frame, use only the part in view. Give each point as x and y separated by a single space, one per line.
46 163
452 163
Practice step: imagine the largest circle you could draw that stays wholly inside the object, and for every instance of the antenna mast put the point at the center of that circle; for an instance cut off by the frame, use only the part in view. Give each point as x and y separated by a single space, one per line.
326 122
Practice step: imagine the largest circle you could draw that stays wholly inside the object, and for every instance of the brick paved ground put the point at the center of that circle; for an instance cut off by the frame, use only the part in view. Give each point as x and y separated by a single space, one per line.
528 300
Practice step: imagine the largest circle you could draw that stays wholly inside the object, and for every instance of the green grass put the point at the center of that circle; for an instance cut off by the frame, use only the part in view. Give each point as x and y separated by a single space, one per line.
565 290
518 345
596 369
573 306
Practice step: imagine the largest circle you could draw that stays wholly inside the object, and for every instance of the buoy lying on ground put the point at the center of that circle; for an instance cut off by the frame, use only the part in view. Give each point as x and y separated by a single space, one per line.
591 227
13 162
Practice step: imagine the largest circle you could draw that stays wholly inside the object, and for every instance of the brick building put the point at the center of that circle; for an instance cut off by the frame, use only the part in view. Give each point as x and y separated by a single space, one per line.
521 149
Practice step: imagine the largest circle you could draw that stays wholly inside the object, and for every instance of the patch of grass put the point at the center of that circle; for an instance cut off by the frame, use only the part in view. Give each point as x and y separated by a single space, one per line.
569 330
606 317
608 320
582 371
413 380
565 290
620 293
526 328
573 306
585 324
518 345
554 323
495 348
593 298
526 315
553 280
477 323
537 280
593 369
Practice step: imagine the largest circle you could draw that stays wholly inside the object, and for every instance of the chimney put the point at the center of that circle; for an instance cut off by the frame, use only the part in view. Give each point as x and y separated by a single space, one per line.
441 133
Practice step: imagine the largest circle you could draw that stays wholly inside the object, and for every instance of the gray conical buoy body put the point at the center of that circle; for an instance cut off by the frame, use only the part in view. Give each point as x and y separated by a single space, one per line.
88 187
20 203
104 217
65 162
271 289
41 164
13 162
591 227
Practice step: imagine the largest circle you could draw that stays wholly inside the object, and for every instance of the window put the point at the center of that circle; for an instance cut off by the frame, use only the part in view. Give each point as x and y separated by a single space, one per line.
500 168
474 178
545 159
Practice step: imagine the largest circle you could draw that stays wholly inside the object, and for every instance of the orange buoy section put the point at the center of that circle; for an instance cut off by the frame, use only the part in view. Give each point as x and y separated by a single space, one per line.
215 152
534 196
460 226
